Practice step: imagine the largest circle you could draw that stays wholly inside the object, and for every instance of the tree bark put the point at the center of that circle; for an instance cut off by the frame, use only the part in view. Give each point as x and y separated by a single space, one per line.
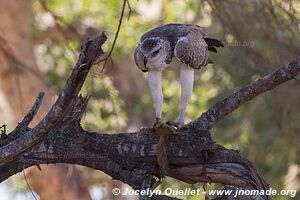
131 157
21 79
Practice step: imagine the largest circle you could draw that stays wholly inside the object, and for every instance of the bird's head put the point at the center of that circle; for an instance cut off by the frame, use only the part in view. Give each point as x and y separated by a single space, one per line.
157 52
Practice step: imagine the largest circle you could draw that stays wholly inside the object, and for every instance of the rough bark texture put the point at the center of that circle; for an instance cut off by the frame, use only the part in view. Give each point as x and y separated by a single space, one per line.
127 157
131 157
20 81
58 111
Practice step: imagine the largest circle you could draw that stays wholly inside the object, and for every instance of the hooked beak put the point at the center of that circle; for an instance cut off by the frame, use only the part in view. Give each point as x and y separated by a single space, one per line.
145 61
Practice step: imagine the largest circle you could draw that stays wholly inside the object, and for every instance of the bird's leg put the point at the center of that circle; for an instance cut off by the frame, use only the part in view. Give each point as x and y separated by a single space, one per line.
154 79
187 80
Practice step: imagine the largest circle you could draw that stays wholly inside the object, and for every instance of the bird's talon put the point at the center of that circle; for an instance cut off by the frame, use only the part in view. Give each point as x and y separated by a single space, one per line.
162 128
157 124
180 125
177 125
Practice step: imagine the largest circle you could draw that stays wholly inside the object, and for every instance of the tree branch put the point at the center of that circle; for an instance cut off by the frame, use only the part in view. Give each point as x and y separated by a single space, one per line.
91 50
131 157
33 111
222 108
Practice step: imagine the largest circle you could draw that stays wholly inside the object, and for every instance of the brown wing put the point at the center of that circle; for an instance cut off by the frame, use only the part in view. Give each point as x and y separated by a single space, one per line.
139 60
192 50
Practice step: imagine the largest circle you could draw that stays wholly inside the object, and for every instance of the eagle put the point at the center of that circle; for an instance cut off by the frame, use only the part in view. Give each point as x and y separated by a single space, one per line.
168 46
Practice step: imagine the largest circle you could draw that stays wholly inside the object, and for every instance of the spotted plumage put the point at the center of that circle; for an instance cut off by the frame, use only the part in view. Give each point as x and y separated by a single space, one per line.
187 43
160 47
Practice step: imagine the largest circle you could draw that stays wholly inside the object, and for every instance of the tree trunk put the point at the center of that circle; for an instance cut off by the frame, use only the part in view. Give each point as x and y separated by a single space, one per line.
21 81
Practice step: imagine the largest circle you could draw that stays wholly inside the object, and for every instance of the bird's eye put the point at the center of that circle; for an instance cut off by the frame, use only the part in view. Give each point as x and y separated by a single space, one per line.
156 52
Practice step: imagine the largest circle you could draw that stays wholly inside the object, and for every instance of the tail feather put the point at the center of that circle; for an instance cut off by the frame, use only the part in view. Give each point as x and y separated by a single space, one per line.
212 48
213 44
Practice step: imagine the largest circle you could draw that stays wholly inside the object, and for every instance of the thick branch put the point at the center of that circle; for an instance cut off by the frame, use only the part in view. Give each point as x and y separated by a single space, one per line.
91 50
130 157
222 108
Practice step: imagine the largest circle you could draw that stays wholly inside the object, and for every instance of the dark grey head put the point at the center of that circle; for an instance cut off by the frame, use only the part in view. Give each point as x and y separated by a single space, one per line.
157 52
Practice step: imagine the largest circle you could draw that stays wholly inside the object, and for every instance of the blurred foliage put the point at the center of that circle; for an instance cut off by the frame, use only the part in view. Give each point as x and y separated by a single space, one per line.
259 36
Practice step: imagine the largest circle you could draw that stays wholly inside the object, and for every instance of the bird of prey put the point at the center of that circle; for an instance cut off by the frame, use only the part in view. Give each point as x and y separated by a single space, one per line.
170 45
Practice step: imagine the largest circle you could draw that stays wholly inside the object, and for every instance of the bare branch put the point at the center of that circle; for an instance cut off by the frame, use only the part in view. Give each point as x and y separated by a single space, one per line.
117 33
32 112
90 51
131 157
130 9
23 125
222 108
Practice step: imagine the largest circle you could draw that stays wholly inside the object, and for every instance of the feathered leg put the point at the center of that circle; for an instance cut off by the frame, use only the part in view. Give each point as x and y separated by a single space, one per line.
187 80
154 79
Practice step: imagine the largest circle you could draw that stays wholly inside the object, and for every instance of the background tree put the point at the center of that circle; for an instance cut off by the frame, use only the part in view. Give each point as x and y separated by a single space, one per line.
20 78
259 35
